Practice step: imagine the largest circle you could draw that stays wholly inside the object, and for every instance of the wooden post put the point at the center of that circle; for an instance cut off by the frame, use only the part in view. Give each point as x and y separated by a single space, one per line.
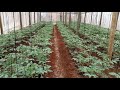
20 20
100 19
96 17
112 33
1 27
34 17
85 17
40 16
78 22
51 16
60 16
65 17
29 19
69 19
91 17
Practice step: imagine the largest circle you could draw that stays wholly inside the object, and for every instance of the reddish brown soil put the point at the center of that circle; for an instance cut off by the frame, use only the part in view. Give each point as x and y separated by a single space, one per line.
62 65
114 69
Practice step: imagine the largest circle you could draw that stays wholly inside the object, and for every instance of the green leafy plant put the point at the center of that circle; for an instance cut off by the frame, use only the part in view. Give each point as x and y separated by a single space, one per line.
117 75
28 61
90 65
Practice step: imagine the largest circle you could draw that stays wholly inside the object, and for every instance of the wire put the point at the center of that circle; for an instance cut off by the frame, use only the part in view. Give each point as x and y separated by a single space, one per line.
15 41
7 17
30 26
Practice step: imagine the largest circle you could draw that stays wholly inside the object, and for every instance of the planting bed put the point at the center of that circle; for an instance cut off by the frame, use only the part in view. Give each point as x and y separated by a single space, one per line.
47 51
24 53
91 61
100 36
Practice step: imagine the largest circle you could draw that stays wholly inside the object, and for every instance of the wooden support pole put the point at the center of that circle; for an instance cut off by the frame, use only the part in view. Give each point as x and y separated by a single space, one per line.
112 33
66 18
51 16
91 17
78 22
1 27
29 19
20 20
60 16
69 19
85 17
34 17
96 17
63 17
100 19
40 16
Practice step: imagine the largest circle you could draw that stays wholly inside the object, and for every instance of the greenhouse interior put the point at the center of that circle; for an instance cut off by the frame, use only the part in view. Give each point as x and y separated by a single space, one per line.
59 45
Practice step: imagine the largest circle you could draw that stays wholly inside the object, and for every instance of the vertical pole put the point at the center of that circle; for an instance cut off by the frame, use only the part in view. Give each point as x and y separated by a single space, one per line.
85 17
96 17
69 19
100 19
112 33
65 18
51 16
60 16
78 22
20 20
1 27
40 16
91 17
34 17
29 19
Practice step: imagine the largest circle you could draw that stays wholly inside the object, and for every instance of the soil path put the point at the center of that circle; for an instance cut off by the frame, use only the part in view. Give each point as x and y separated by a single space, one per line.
61 62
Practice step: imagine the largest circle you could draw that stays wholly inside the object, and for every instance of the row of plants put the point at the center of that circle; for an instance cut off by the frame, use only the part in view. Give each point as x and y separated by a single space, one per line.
28 60
99 35
7 40
14 38
90 62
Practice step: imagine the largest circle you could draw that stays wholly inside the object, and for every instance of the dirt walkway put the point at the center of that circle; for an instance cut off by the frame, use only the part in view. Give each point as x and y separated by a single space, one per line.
60 59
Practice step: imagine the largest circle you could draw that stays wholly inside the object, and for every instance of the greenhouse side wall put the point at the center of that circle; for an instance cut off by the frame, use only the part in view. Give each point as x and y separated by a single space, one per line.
8 19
